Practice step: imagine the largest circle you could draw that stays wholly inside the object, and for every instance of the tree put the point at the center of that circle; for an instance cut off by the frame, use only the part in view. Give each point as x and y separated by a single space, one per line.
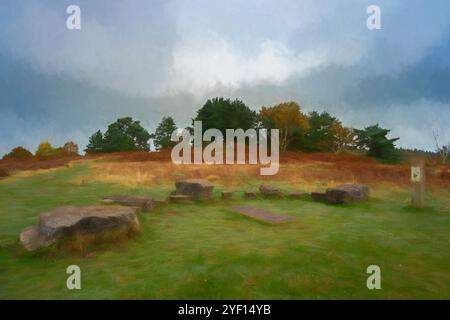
18 153
442 150
162 136
122 135
70 148
95 144
126 135
322 132
286 117
46 151
225 114
344 138
374 140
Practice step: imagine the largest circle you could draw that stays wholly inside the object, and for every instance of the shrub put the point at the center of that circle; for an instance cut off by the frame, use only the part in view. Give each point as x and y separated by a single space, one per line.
70 149
18 153
46 151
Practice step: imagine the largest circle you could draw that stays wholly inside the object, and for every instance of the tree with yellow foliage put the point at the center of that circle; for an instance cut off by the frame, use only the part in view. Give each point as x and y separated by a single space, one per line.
344 137
287 117
46 151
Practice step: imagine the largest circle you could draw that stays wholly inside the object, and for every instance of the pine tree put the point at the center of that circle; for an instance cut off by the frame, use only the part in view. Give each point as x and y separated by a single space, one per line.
95 143
374 140
163 133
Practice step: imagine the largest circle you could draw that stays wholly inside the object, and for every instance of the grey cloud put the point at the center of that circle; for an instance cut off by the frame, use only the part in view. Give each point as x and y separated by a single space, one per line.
153 58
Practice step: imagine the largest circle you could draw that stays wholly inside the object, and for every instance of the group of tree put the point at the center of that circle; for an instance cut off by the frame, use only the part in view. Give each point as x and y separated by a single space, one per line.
123 135
45 151
309 132
222 114
312 132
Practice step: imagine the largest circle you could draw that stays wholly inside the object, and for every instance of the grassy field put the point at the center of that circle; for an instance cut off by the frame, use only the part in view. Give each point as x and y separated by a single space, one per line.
208 251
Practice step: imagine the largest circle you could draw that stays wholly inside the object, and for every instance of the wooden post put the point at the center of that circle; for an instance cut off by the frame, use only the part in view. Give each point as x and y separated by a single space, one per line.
418 181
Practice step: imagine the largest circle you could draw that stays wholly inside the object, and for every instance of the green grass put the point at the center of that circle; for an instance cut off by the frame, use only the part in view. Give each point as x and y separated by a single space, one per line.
207 251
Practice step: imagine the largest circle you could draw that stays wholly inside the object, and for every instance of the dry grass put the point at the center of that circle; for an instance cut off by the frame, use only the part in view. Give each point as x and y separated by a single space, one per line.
3 173
11 165
306 171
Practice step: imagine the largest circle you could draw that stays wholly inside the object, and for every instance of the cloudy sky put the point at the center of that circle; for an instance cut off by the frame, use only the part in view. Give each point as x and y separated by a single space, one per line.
151 58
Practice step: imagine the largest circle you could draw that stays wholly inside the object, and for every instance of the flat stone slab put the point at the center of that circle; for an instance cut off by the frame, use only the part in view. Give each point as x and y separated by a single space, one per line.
63 222
261 214
144 203
180 198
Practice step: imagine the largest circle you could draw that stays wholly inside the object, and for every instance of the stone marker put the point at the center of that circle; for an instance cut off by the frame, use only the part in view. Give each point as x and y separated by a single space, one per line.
418 181
198 189
269 191
60 223
261 215
347 193
144 203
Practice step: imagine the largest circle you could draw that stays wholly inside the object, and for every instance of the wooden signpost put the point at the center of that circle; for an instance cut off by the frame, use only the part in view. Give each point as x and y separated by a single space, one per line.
418 181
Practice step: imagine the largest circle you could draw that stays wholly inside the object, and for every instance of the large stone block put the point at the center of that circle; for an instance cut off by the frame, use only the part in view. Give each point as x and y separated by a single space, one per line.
198 189
60 223
318 196
144 203
347 193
